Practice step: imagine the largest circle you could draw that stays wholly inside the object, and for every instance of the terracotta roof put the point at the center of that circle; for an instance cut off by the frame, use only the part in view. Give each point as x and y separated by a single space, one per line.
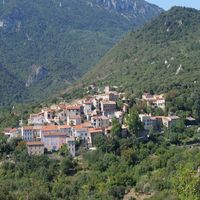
47 109
74 107
51 134
88 102
28 127
35 143
160 98
64 126
95 130
13 130
62 106
7 129
79 127
87 124
50 128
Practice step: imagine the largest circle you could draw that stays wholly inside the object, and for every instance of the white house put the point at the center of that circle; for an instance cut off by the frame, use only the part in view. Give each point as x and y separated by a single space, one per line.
80 132
28 133
37 119
170 121
12 133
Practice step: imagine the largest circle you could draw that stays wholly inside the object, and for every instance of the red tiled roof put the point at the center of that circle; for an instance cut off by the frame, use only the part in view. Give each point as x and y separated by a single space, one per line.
75 107
50 128
28 127
62 106
88 102
95 130
64 126
13 130
51 134
47 109
78 127
7 129
35 143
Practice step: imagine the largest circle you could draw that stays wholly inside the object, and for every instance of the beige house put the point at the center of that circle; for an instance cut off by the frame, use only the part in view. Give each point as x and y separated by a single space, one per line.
170 121
35 148
100 122
154 100
74 120
74 110
111 95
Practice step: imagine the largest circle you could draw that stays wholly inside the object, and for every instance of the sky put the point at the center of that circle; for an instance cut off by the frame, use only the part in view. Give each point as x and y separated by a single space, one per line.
167 4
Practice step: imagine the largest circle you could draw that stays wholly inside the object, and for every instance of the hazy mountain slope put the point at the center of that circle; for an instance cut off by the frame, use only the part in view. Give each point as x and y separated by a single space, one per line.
161 56
62 38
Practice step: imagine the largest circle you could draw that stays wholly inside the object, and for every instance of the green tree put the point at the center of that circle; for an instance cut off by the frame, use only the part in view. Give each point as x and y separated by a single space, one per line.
134 124
100 141
186 183
66 166
64 150
116 130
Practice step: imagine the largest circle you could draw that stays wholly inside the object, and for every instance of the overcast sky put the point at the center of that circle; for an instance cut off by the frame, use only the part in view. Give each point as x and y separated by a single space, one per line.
167 4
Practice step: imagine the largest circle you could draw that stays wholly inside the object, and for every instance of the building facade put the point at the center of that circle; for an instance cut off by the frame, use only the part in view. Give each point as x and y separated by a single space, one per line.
35 148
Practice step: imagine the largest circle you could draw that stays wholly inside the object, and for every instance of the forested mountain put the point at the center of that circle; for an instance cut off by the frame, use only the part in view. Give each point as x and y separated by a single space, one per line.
47 45
161 56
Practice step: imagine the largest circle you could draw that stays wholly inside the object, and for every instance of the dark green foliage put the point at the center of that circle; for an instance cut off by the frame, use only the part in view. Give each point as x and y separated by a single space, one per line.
148 60
11 115
63 40
64 151
116 128
66 165
133 122
169 171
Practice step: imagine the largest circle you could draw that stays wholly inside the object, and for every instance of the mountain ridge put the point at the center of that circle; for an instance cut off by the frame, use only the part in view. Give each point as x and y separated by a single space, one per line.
66 37
159 57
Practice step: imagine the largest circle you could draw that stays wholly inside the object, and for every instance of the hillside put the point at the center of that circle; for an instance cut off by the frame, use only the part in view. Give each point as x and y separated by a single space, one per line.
161 56
47 45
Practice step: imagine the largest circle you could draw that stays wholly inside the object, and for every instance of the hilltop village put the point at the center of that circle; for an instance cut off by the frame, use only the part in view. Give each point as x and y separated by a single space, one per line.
83 119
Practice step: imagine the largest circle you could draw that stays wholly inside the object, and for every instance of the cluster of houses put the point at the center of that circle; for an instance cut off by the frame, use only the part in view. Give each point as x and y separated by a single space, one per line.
156 122
65 123
82 120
